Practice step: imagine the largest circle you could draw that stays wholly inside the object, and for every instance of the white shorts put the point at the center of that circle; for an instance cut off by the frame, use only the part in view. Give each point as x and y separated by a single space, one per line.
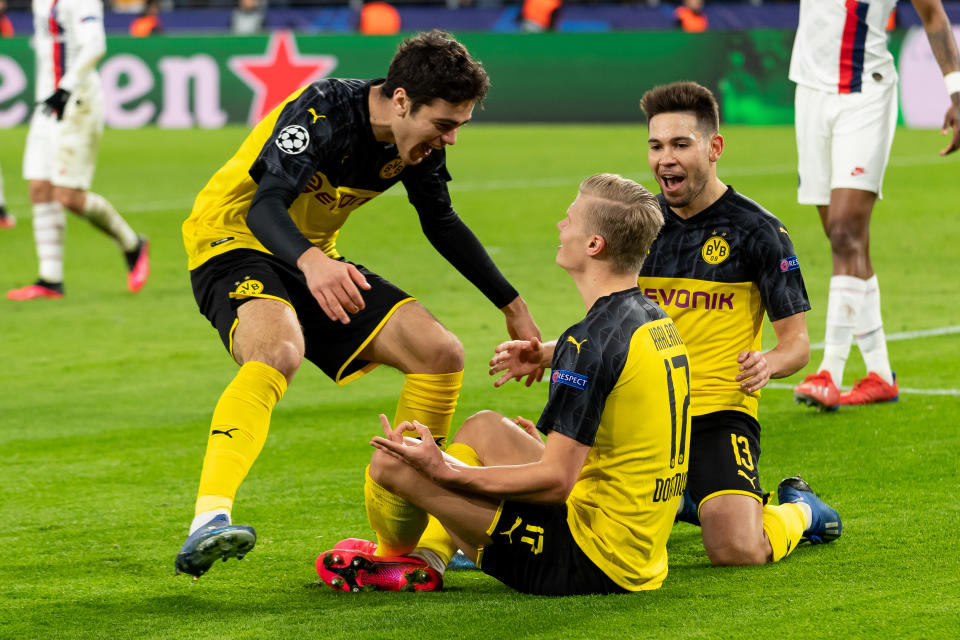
843 140
65 153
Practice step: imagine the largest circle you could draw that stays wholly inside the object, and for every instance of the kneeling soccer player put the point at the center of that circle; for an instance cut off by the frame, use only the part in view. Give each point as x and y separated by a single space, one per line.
590 510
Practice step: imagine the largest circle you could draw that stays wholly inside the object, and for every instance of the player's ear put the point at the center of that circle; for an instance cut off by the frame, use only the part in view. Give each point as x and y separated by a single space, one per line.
716 147
400 101
596 245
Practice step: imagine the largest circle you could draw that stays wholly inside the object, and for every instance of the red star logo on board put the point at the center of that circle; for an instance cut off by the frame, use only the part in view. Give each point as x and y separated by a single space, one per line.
278 72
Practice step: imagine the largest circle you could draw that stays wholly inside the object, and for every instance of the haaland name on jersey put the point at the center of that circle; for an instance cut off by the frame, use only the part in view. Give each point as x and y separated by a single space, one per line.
570 378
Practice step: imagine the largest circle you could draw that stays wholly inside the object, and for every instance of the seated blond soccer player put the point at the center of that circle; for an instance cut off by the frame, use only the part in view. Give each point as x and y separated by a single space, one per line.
589 510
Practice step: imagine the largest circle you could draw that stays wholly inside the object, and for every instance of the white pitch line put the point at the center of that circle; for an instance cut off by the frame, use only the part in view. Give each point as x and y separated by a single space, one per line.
910 335
919 392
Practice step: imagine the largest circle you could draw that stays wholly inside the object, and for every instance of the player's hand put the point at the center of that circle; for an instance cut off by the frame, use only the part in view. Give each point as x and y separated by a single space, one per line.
423 455
754 371
516 359
335 285
951 122
528 426
521 326
56 102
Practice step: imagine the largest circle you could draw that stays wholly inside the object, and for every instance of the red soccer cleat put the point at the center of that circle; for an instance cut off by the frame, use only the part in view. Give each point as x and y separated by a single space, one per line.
870 390
818 390
7 221
368 547
36 290
139 264
346 570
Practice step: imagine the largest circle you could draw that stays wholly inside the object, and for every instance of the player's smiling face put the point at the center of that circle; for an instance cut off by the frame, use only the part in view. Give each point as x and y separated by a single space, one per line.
683 158
432 126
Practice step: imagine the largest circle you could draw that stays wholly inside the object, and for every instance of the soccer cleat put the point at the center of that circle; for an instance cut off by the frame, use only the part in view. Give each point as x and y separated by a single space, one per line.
826 524
687 511
346 570
216 539
138 263
818 390
368 547
460 562
7 221
872 389
39 289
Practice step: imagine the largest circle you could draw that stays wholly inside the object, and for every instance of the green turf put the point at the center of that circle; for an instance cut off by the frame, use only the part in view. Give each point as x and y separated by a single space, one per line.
106 399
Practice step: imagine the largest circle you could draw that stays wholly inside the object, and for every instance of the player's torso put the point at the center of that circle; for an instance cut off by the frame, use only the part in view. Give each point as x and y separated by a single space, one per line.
57 41
841 46
625 498
354 169
703 272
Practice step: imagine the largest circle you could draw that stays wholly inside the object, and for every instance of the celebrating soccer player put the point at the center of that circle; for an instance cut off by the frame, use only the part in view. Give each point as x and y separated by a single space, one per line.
62 142
846 111
590 511
720 262
266 272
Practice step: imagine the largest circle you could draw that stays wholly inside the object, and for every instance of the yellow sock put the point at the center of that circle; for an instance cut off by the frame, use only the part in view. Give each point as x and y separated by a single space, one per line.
237 433
784 525
431 399
397 523
435 537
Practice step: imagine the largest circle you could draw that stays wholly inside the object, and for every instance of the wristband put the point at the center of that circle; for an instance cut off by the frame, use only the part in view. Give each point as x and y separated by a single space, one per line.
952 80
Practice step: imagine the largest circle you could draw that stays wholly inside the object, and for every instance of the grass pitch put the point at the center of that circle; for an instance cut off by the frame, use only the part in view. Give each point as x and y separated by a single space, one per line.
105 399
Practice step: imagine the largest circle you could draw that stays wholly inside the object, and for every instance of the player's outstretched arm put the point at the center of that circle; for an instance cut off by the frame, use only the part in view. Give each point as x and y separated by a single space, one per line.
521 326
789 356
517 359
944 47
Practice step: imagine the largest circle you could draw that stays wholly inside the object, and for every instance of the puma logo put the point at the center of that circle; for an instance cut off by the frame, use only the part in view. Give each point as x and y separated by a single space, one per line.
314 114
509 532
575 343
226 433
749 479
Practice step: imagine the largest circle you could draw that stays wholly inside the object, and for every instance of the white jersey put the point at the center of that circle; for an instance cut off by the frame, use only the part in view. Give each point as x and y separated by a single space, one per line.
841 46
69 42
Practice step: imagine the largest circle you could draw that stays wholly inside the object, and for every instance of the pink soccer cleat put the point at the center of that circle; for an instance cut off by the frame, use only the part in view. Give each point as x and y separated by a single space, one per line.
7 221
818 390
872 389
39 289
368 547
346 570
138 262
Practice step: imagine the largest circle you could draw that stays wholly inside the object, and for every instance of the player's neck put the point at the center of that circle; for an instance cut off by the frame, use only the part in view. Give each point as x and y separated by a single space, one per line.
379 108
596 283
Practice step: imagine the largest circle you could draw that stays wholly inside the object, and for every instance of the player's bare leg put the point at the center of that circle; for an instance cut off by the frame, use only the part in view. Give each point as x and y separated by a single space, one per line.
732 529
7 220
269 346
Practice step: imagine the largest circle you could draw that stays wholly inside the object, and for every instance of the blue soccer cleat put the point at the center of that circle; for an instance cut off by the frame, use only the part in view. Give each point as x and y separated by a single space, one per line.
460 562
826 525
216 539
687 511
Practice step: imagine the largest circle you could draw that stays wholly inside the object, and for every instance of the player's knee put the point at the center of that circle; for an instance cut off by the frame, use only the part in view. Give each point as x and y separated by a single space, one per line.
40 192
736 551
283 355
70 199
479 428
386 470
444 354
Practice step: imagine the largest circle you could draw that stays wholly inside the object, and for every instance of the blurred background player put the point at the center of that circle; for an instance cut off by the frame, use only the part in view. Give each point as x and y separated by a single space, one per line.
61 149
846 114
7 221
719 263
261 245
591 510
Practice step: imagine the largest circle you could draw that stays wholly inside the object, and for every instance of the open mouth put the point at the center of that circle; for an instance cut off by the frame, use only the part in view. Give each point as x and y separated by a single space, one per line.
671 182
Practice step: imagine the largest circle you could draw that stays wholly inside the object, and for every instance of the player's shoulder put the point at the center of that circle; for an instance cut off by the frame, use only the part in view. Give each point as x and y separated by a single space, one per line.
613 319
750 215
335 99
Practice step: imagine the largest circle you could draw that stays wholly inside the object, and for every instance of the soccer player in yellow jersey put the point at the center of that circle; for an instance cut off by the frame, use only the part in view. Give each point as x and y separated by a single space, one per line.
590 510
265 270
721 262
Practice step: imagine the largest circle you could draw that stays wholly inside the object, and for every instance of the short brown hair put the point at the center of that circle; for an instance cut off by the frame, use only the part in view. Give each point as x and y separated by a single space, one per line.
683 96
626 214
433 65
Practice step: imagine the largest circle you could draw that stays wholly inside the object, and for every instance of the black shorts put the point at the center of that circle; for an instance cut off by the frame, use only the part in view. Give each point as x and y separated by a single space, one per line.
724 456
534 552
224 282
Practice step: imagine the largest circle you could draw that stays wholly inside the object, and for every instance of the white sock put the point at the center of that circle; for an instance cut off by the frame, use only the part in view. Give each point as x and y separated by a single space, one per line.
871 339
203 518
843 308
104 216
49 229
430 557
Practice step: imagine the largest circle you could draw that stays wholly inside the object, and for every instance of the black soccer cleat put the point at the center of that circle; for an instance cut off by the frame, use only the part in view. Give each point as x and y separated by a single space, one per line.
216 539
826 525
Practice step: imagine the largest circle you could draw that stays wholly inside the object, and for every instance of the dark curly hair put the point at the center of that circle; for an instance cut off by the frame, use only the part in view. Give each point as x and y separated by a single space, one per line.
683 96
433 65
